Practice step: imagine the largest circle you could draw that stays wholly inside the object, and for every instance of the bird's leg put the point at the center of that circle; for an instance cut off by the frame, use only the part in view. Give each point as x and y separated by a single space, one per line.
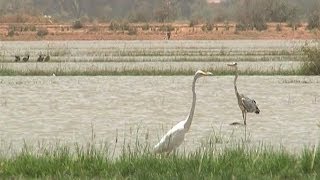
168 153
245 118
245 133
242 115
237 123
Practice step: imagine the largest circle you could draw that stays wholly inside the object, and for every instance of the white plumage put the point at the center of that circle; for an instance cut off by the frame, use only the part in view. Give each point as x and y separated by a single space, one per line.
172 139
175 136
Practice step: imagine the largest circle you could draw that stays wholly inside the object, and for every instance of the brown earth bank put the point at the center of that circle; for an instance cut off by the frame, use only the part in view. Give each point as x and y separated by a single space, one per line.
151 31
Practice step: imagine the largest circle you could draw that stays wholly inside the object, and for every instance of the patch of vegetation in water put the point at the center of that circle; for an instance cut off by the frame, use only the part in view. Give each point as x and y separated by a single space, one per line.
143 72
311 63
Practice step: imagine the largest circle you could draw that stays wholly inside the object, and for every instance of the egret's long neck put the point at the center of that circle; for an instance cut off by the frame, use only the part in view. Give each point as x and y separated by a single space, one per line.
194 97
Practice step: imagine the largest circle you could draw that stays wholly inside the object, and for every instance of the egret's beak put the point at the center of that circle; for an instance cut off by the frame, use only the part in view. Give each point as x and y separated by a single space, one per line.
209 73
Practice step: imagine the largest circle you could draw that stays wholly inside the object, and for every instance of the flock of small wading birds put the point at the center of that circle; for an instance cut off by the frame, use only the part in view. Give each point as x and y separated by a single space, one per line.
175 136
41 58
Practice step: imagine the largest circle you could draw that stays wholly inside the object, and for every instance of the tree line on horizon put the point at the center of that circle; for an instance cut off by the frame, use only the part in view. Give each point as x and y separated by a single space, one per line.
248 14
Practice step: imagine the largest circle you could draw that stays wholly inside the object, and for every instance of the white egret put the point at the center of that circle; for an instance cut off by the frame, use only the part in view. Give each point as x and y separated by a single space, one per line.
175 136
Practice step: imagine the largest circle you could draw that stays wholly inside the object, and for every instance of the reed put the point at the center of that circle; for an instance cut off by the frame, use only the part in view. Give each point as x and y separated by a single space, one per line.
139 72
311 63
236 162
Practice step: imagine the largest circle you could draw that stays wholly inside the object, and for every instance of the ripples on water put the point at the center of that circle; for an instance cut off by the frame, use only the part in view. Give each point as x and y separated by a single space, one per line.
65 108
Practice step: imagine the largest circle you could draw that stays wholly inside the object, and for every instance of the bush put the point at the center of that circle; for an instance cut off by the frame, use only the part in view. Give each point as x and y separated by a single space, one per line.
314 20
207 27
311 64
116 26
226 26
193 22
11 33
77 25
94 28
278 27
241 27
138 17
124 26
33 28
42 32
260 25
145 27
132 31
294 25
166 28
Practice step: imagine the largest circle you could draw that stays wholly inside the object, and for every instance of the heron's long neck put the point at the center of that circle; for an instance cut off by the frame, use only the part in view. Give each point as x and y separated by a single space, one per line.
235 82
194 97
235 86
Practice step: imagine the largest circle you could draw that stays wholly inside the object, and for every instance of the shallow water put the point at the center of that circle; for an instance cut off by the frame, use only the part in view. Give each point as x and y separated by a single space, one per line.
254 55
126 108
88 51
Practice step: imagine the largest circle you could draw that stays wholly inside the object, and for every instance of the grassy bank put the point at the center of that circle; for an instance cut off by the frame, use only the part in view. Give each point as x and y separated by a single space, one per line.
238 162
143 72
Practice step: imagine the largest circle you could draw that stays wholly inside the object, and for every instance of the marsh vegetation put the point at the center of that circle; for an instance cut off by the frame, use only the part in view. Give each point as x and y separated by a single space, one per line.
260 57
239 161
281 143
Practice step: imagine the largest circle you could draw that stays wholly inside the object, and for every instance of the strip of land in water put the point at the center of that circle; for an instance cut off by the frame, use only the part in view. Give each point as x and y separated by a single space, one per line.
133 72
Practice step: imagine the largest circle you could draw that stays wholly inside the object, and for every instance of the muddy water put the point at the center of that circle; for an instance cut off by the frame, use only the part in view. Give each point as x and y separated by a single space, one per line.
123 109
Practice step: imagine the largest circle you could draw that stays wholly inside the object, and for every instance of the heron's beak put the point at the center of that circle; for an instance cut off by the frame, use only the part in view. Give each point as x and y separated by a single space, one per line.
209 73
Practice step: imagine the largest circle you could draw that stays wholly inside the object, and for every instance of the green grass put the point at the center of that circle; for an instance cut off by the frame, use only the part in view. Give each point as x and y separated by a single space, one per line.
311 64
142 72
237 162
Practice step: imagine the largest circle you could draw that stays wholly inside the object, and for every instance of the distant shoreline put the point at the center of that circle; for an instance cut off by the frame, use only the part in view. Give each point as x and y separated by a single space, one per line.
149 31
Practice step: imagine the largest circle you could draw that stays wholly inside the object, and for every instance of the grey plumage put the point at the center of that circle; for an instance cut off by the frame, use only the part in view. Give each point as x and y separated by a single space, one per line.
17 58
249 105
40 58
47 58
25 59
246 104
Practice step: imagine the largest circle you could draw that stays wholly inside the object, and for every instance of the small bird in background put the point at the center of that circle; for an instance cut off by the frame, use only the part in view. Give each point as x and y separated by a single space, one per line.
17 58
40 58
47 58
26 58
